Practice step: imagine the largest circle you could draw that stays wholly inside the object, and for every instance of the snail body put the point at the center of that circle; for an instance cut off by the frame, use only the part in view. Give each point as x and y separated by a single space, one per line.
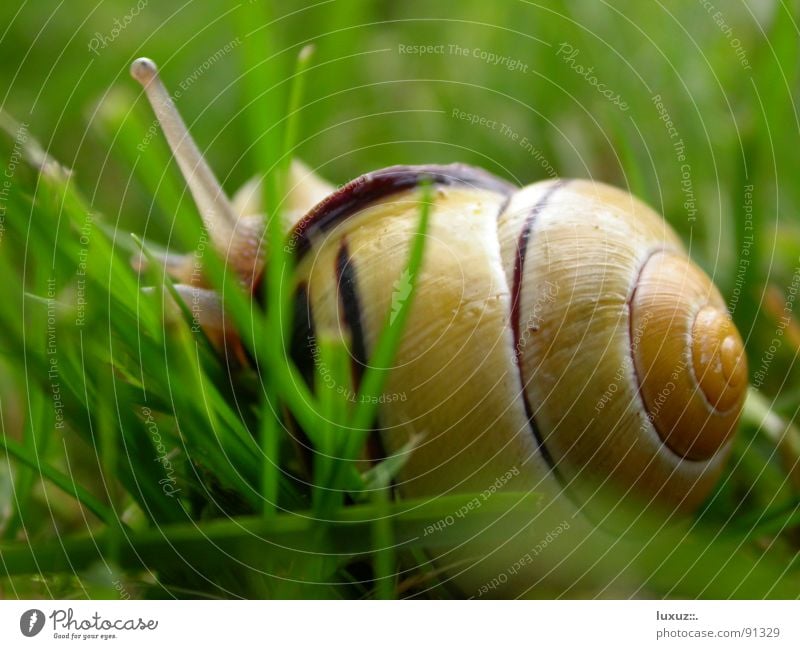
561 342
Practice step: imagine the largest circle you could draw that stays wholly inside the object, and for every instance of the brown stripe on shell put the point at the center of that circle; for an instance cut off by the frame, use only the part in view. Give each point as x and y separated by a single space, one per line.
369 188
349 298
303 346
351 311
519 267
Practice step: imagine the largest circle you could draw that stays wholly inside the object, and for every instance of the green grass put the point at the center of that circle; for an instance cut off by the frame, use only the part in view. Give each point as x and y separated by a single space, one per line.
84 505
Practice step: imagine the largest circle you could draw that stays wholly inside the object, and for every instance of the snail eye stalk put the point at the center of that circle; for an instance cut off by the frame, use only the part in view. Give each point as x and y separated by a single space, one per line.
215 208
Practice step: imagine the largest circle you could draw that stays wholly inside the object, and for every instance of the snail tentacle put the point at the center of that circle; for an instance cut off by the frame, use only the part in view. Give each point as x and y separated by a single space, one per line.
215 209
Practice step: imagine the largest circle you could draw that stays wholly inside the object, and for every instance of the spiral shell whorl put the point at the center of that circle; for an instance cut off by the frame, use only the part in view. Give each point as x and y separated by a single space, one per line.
689 358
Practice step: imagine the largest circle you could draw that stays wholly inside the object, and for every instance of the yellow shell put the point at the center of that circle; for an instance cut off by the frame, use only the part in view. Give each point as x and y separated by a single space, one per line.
560 337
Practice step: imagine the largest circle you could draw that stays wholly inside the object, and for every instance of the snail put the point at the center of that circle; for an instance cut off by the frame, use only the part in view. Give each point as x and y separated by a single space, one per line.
561 341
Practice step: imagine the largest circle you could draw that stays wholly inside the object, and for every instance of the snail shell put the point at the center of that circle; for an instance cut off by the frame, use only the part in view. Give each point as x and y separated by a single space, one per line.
558 331
533 306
